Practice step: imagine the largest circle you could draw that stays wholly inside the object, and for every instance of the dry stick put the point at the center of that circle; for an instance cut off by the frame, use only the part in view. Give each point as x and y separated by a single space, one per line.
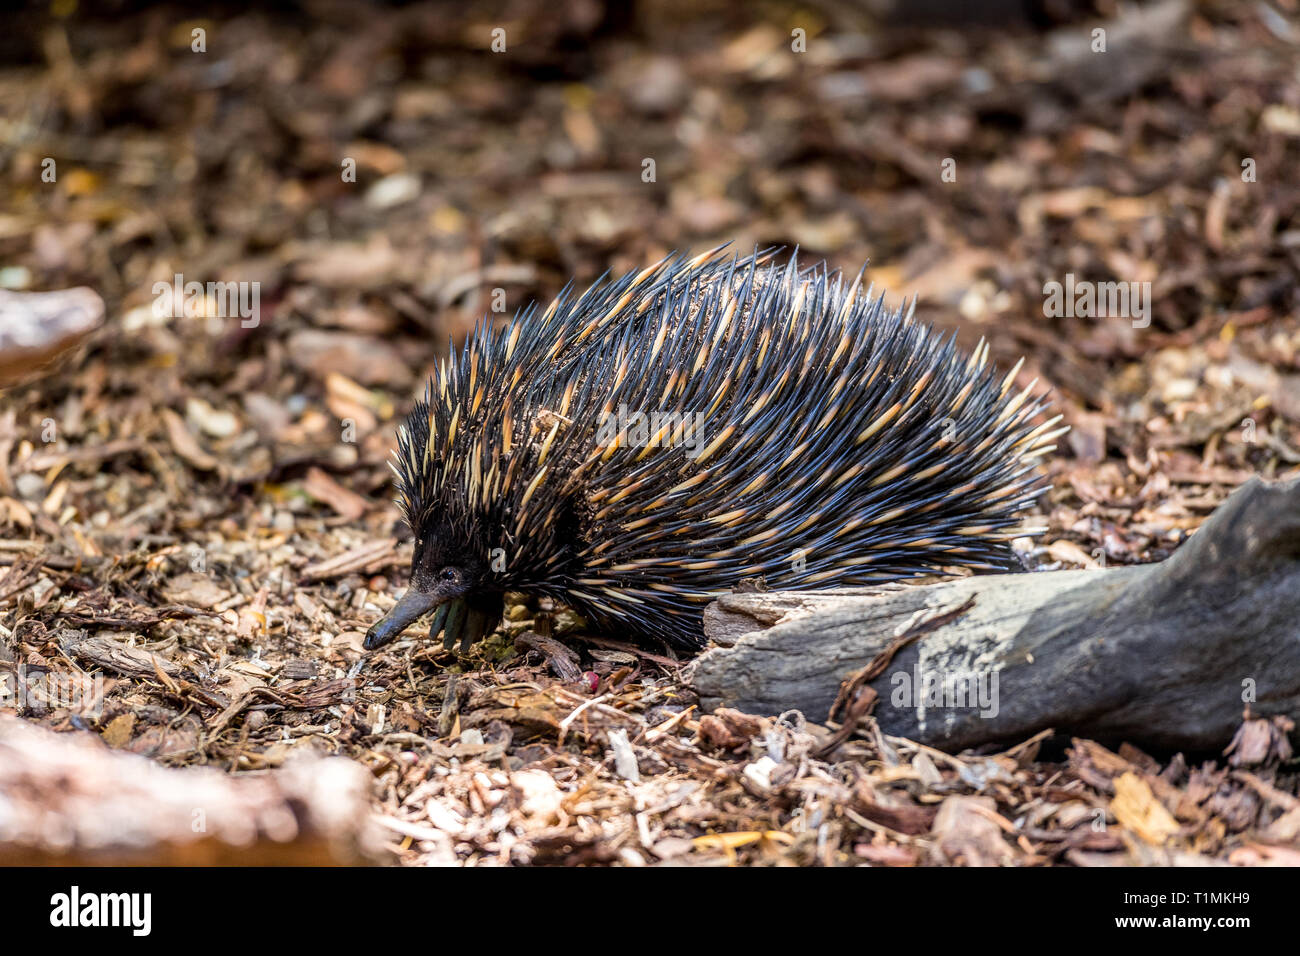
654 733
630 649
369 557
895 835
927 750
567 721
63 562
558 656
596 705
22 578
83 454
219 722
415 831
1266 790
450 707
1024 745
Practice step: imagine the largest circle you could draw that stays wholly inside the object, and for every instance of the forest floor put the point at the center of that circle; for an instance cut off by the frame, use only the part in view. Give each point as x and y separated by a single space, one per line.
200 511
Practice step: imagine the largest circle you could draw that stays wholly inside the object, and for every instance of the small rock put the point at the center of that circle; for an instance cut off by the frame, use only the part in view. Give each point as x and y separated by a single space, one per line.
624 757
15 277
30 486
394 190
210 421
760 772
194 589
539 796
656 85
567 621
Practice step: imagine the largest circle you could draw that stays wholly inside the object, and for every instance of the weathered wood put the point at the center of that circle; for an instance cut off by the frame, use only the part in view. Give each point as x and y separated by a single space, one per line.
67 799
39 328
1163 654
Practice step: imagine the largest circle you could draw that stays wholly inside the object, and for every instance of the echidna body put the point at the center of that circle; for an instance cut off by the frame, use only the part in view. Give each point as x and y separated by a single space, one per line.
637 450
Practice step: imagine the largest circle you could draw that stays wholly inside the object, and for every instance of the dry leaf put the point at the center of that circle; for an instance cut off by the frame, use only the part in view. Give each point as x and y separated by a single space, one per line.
1137 809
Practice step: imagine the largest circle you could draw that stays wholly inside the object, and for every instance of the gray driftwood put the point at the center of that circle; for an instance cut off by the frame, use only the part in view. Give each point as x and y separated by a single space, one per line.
1163 654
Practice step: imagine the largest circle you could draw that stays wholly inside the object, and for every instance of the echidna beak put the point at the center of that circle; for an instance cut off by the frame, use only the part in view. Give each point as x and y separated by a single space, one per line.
404 613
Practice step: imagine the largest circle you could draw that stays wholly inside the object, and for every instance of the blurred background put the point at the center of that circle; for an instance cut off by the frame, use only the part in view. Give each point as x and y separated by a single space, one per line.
821 125
214 492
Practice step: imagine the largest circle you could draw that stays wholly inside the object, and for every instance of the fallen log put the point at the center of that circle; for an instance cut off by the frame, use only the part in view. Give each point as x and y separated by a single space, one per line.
67 799
1166 655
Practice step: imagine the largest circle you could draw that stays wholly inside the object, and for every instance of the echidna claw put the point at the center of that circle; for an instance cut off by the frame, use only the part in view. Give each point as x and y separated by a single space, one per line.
460 623
439 619
453 623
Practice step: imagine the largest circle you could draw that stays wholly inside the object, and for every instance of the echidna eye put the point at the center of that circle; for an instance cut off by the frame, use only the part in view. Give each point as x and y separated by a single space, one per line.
448 574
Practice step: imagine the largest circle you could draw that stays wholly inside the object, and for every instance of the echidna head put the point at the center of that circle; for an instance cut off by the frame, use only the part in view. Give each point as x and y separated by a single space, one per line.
450 578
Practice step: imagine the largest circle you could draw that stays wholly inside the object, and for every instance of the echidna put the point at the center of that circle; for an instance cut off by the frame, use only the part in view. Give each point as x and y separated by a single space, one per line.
638 449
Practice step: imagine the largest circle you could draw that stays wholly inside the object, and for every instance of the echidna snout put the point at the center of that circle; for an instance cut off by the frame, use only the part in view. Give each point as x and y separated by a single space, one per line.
456 587
769 421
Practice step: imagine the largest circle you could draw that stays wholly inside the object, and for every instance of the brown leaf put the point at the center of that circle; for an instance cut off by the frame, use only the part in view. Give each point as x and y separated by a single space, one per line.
1261 742
888 855
967 835
118 731
185 444
322 487
1137 809
194 589
728 729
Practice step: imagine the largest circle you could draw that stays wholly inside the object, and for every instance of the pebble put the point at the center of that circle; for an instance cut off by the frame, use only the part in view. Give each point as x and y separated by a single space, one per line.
394 190
30 486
